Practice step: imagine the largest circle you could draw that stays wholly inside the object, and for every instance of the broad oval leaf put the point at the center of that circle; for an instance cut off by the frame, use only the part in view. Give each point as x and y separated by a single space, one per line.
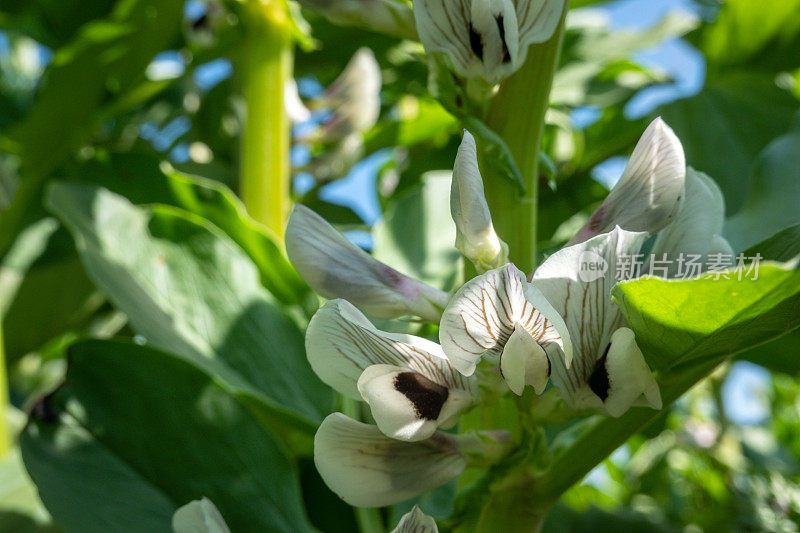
188 289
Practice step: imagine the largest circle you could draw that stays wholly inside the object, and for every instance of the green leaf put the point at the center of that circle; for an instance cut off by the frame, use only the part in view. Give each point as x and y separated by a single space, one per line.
417 235
141 432
216 203
783 246
779 355
51 22
100 72
40 260
764 33
145 178
774 195
188 289
727 124
702 320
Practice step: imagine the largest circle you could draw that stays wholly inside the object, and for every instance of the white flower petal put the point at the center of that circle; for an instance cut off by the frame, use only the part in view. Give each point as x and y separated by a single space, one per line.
650 192
335 267
367 469
494 37
484 312
405 405
698 227
583 297
199 516
486 38
475 236
537 21
443 26
295 108
354 97
341 343
622 376
415 521
524 362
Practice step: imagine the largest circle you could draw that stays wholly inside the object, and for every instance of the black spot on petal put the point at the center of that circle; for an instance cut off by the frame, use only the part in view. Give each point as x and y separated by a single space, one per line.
502 30
425 395
475 42
598 381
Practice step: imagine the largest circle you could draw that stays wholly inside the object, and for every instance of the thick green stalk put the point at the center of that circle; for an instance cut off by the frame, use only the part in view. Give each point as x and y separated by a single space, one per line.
517 114
266 66
5 434
604 435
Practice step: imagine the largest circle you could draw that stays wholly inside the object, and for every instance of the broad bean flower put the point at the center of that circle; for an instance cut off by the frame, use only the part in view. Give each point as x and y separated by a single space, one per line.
558 324
486 39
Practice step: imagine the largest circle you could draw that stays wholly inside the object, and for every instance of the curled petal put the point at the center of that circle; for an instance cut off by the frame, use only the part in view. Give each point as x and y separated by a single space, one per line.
622 376
367 469
415 521
475 236
341 343
335 267
578 280
484 312
698 227
524 362
407 405
650 192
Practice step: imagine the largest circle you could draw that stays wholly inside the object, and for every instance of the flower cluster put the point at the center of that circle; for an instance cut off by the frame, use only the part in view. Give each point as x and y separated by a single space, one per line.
556 325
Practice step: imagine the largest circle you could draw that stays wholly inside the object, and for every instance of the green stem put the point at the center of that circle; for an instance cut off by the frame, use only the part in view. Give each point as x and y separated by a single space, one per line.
5 433
266 66
517 115
604 435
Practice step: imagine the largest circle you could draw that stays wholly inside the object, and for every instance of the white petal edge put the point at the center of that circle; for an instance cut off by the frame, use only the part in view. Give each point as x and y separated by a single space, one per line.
650 193
334 267
368 469
341 343
415 521
537 20
444 27
698 227
199 516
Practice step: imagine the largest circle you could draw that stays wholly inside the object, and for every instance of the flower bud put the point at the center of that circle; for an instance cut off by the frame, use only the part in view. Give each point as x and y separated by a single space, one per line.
475 236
